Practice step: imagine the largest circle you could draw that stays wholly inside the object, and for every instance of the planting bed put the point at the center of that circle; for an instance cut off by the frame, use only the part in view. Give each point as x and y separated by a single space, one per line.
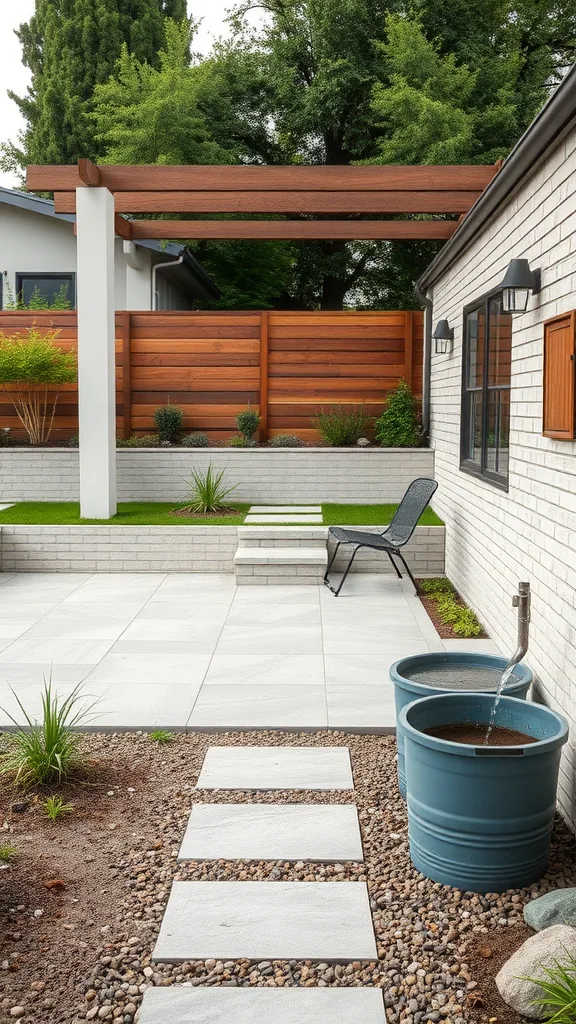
81 907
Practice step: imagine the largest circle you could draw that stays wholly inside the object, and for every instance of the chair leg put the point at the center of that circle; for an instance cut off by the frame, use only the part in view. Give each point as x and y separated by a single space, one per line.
331 562
394 566
406 566
346 571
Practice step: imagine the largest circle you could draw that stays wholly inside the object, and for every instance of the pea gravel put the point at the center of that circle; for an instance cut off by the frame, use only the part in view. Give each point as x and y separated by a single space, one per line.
133 820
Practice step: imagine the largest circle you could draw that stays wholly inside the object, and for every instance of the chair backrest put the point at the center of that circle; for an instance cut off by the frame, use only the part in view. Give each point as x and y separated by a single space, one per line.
409 511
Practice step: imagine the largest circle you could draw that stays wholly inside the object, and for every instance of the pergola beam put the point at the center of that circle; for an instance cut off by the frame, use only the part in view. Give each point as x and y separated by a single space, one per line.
155 178
293 202
341 230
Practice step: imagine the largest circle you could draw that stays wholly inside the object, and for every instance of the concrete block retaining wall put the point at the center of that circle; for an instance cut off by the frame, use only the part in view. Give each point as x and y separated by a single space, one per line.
170 549
277 476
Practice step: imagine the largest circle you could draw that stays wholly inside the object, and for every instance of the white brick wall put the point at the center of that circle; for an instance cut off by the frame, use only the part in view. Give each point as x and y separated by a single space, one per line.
494 539
372 476
168 549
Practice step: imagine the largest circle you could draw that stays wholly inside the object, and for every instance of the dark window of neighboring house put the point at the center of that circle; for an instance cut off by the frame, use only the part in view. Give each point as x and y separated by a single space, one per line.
486 390
49 288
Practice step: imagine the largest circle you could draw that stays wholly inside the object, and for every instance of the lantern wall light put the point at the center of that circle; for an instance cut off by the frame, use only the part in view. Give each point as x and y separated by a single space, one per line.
519 282
443 337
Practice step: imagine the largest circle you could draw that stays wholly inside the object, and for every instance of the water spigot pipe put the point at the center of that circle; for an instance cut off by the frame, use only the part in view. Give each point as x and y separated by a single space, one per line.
521 601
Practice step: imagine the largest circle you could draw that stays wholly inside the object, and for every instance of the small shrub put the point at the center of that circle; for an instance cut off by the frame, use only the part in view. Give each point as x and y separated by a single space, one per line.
54 806
74 441
47 751
342 425
32 370
208 493
558 1002
248 422
397 427
161 736
169 420
286 441
144 441
6 439
466 624
432 587
8 853
196 440
240 441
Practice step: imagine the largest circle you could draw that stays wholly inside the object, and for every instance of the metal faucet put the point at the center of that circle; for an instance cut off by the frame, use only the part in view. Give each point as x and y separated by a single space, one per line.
521 601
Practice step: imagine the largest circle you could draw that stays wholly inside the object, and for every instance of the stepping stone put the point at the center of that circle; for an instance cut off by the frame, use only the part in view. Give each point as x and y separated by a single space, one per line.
281 509
269 768
262 1005
302 518
309 832
325 921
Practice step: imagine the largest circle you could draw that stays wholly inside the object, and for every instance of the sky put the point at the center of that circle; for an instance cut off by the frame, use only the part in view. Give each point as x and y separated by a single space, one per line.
14 76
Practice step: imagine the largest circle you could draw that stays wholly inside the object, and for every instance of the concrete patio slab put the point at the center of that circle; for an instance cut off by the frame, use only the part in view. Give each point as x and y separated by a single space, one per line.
238 706
309 832
326 921
269 768
262 1006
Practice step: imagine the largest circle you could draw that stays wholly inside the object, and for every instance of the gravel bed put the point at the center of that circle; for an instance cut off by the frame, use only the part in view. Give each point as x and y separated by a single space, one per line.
81 907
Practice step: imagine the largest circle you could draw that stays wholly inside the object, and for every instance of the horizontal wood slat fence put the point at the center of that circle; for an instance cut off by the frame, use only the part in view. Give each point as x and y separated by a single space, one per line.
212 364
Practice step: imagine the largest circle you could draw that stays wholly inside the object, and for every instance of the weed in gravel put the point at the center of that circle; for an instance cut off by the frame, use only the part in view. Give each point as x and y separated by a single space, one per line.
54 806
161 736
8 853
48 751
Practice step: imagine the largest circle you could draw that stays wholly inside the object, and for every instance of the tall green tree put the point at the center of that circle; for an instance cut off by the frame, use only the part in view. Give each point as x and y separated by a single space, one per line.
70 46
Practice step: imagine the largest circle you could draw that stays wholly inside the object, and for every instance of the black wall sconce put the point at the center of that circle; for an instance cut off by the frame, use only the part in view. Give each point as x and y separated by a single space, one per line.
443 337
519 282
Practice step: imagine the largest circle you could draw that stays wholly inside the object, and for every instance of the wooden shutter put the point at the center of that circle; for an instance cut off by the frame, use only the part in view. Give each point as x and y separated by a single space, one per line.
558 419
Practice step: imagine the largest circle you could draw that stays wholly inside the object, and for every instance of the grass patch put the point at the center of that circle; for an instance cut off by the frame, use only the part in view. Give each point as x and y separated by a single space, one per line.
160 513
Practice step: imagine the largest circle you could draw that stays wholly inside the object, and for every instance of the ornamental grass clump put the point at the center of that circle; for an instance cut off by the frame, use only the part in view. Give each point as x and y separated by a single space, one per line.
208 494
557 1004
398 426
342 425
46 752
32 370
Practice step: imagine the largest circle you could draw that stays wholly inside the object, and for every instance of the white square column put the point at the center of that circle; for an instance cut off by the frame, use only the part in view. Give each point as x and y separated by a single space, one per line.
96 352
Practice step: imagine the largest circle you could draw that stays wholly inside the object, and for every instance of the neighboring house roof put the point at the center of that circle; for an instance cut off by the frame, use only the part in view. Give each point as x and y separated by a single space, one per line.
188 274
553 122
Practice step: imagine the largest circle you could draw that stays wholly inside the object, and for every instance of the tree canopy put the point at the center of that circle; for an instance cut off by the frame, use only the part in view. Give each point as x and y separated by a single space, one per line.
317 82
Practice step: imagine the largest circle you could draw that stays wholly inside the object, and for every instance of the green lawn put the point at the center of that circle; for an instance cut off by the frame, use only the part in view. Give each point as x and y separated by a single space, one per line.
156 513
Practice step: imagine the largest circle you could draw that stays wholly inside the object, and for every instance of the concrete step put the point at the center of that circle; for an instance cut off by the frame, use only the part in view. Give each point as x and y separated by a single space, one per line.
281 556
272 768
253 1005
282 536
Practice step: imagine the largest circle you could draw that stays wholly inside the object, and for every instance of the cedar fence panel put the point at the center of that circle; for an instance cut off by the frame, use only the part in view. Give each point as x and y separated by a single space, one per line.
212 364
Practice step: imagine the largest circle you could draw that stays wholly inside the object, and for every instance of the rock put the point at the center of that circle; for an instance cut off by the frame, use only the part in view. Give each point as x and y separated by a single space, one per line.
363 442
20 806
541 950
558 907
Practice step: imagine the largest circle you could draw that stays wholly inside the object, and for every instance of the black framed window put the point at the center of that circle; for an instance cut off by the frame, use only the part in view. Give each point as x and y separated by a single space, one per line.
53 289
486 372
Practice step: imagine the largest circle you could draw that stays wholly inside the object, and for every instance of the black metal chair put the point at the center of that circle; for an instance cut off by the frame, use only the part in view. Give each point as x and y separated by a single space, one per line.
394 538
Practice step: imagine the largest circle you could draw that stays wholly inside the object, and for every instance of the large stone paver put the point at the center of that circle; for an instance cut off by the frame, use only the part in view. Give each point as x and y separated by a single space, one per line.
301 517
325 921
308 832
262 1006
271 768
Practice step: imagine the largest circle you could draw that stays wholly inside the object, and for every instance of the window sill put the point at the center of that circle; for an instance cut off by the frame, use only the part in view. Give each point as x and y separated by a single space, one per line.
498 482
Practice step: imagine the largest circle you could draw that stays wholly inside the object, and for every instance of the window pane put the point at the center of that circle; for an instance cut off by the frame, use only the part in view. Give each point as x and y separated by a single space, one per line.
474 440
49 289
499 344
475 331
492 431
503 440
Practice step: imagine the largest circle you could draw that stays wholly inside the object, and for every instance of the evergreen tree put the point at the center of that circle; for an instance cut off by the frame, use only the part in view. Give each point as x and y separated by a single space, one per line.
70 46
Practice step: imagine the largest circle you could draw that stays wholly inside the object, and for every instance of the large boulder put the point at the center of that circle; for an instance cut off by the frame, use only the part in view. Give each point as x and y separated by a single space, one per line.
541 950
558 907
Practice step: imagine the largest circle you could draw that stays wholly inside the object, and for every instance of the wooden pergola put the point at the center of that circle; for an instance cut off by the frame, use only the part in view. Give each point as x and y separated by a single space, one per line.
321 202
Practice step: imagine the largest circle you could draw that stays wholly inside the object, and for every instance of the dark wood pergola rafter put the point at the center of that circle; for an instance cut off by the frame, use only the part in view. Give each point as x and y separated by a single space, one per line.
340 196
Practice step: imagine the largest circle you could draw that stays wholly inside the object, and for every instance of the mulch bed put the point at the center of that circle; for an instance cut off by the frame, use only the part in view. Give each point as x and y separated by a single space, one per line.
81 906
444 631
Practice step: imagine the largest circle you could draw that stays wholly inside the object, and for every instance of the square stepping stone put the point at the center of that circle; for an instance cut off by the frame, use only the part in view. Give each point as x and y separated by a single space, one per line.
270 768
281 509
303 517
309 832
262 1005
325 921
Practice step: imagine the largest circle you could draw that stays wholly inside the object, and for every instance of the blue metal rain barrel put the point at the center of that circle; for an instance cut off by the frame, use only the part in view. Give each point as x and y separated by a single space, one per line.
406 689
480 817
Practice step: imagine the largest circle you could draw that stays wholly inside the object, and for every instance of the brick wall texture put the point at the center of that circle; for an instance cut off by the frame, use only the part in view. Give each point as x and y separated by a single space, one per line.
493 538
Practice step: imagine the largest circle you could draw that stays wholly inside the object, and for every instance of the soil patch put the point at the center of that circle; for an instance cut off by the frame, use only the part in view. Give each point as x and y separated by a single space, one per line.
81 906
487 955
475 735
185 512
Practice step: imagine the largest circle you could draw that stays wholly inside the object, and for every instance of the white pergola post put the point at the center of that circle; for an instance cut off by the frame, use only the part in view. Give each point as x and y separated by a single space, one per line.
96 352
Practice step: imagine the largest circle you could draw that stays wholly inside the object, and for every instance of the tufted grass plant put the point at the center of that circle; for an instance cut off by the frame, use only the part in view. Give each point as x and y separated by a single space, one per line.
558 1001
46 752
342 425
8 853
54 807
208 493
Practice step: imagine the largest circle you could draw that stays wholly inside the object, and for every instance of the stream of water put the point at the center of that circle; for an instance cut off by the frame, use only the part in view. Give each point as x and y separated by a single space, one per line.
494 709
